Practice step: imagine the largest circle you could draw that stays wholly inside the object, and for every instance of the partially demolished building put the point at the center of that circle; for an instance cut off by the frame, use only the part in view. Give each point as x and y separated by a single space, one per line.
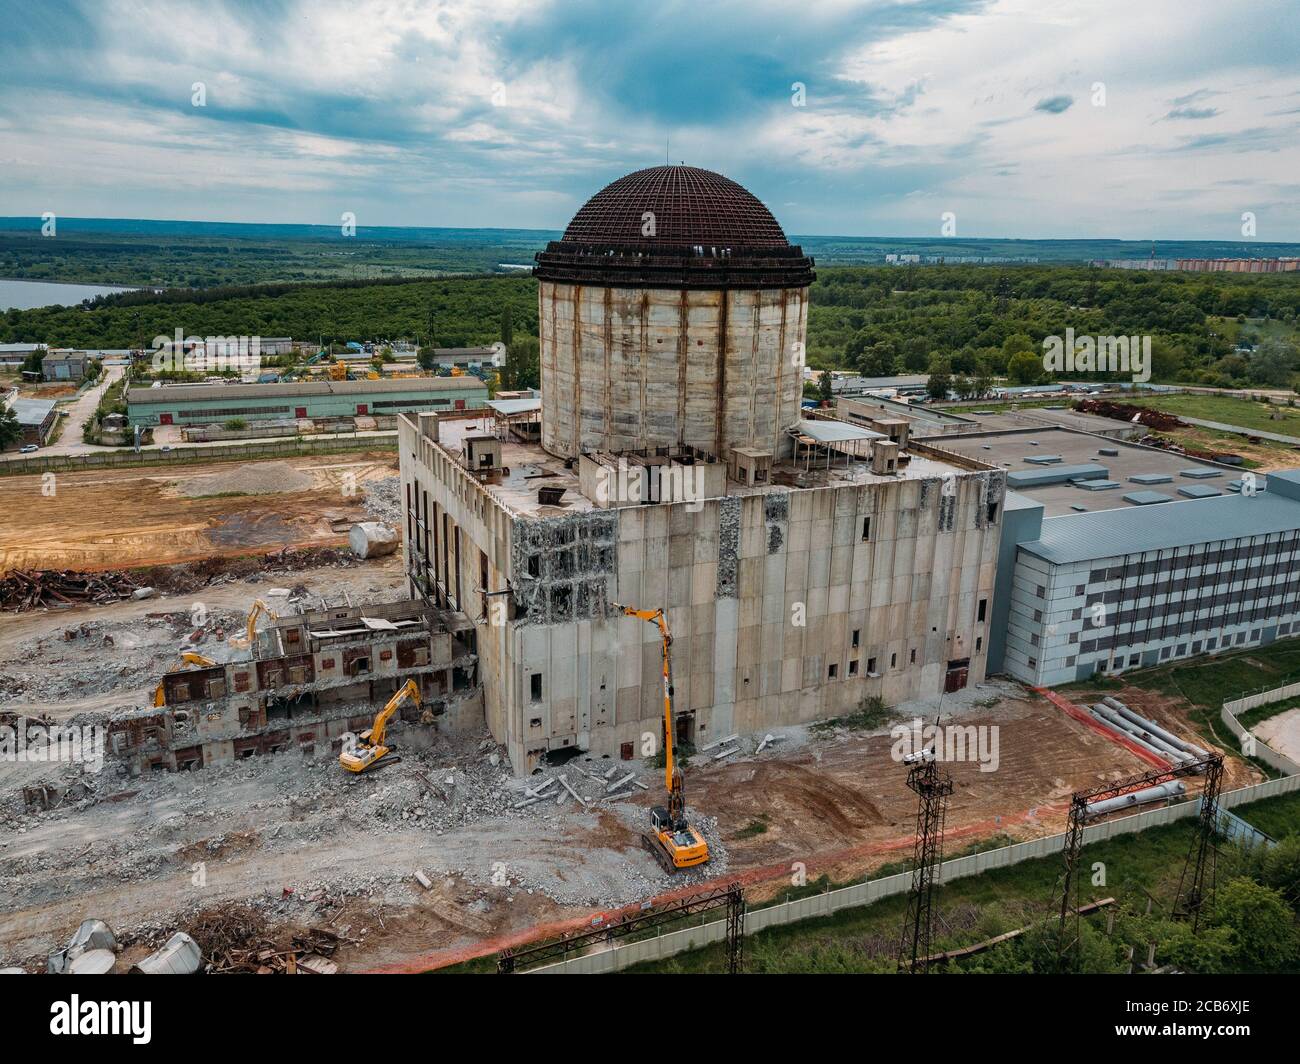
310 678
804 563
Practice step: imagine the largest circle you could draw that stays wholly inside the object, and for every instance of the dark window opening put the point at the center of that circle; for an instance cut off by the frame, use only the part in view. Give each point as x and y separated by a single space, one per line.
984 603
535 684
866 528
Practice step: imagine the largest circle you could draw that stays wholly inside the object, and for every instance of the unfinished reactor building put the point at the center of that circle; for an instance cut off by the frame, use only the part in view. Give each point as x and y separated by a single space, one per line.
804 563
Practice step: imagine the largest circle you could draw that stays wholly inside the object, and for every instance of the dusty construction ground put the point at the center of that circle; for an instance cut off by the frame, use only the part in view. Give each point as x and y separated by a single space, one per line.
108 519
308 845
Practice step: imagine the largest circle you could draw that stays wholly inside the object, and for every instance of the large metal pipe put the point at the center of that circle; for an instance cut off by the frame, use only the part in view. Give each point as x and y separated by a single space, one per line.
1166 749
1154 728
1113 721
1160 792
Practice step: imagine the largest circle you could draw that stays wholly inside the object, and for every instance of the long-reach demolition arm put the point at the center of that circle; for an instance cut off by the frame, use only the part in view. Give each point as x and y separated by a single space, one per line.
679 845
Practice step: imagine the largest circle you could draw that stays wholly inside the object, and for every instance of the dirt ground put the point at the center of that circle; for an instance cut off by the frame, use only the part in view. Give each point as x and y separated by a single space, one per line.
309 846
151 515
1282 733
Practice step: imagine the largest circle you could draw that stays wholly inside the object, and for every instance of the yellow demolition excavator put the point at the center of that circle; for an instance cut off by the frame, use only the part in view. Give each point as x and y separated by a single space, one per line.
245 641
188 657
371 749
672 841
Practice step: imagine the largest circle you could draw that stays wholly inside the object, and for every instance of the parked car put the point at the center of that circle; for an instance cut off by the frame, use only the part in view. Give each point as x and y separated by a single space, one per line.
29 448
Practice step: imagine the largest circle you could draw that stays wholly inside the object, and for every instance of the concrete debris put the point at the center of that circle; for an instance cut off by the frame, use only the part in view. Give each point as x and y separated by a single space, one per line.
384 499
718 742
620 783
370 539
180 955
564 782
90 936
423 879
726 753
141 593
93 962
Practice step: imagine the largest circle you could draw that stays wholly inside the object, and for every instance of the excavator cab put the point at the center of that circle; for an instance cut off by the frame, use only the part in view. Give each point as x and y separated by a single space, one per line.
371 749
681 843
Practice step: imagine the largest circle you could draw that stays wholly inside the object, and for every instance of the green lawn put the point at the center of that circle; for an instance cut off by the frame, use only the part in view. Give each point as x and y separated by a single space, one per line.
978 907
1275 817
1228 410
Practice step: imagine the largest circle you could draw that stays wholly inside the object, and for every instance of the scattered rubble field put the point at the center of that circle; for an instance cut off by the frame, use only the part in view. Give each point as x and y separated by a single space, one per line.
119 518
65 661
314 851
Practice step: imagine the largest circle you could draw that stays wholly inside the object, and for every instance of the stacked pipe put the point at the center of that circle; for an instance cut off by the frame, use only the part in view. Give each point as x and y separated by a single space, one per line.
1171 789
1146 734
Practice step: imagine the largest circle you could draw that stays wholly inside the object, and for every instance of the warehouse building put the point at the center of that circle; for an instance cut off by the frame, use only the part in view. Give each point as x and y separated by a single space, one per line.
804 563
1116 556
197 404
36 417
64 365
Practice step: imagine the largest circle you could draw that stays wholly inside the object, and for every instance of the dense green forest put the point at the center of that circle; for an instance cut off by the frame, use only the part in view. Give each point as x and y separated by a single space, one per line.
456 312
876 320
141 251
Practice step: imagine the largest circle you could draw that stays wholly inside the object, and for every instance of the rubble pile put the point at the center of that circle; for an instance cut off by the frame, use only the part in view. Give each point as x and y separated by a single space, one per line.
114 658
1136 415
384 499
28 589
236 939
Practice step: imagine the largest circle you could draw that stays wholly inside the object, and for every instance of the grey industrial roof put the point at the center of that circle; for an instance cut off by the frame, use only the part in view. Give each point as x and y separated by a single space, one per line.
32 411
836 432
1151 478
506 407
1131 530
189 393
1199 491
1147 498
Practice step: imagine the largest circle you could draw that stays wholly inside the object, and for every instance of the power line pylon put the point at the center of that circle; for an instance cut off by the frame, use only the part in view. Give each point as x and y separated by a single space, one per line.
932 788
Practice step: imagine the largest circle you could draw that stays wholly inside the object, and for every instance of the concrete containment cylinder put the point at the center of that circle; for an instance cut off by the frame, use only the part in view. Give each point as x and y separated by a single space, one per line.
672 313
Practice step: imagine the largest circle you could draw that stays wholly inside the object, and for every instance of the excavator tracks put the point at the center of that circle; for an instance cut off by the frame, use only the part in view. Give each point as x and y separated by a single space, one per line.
651 843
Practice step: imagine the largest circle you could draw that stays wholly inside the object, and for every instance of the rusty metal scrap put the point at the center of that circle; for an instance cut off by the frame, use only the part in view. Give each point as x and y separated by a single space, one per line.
28 589
235 939
1136 415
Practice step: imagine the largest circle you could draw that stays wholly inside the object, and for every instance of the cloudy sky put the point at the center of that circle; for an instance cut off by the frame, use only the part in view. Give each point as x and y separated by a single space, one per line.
1031 118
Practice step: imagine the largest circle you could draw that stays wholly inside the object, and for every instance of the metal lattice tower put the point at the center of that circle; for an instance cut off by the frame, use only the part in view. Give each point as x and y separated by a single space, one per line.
932 788
1200 867
735 931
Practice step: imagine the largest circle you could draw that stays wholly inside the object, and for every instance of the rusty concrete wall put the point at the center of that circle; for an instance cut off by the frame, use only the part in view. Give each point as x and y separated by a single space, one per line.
627 368
765 593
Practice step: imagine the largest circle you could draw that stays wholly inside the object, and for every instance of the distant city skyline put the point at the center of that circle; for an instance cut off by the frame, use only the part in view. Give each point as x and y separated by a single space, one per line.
1015 119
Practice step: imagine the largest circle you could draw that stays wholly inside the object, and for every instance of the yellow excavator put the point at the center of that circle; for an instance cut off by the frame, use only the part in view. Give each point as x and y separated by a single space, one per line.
188 657
371 749
672 841
243 642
